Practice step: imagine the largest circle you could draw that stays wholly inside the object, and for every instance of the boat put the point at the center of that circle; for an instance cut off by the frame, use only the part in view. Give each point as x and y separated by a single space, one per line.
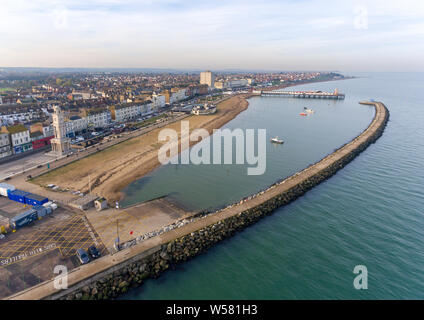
303 114
276 140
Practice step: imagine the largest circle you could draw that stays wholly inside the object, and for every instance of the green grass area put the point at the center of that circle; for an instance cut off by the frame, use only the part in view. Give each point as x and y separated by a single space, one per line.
6 89
150 121
211 99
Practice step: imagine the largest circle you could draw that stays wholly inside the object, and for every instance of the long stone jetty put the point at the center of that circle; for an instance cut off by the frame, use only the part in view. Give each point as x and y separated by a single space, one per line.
115 274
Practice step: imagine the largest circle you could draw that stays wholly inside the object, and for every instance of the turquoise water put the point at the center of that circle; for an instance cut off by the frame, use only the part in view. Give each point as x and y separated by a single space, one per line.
370 213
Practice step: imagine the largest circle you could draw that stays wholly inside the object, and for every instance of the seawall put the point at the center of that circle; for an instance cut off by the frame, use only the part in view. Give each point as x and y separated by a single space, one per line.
113 275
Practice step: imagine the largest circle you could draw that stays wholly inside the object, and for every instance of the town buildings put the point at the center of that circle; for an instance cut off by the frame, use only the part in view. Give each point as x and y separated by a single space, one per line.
74 125
194 90
19 137
234 83
158 101
122 113
5 148
97 118
95 100
207 77
39 141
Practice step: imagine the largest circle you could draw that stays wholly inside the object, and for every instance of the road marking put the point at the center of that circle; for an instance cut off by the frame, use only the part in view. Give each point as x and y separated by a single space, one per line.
28 254
67 236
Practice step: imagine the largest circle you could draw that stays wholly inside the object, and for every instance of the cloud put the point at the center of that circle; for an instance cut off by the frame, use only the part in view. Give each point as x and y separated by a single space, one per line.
170 33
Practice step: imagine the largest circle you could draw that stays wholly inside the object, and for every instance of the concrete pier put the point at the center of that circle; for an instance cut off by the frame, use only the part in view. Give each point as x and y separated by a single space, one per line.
304 94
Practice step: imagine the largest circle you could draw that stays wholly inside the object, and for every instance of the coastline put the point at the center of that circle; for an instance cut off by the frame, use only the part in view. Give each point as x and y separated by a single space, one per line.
114 168
113 275
108 174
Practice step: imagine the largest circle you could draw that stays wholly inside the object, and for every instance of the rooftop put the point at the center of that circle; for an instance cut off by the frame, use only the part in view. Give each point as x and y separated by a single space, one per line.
14 129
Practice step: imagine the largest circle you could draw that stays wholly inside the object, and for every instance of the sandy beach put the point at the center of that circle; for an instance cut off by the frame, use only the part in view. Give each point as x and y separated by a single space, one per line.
111 170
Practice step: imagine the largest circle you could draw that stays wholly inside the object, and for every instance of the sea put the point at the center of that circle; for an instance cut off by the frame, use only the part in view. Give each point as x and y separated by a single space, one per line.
369 215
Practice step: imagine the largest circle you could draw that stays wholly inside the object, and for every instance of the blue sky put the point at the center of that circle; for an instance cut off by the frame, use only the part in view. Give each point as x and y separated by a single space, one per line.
346 35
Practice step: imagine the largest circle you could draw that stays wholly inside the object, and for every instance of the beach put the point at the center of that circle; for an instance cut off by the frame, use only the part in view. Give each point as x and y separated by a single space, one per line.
109 171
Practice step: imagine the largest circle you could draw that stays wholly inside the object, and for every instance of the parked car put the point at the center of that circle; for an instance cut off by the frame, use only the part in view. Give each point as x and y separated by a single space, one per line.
83 256
93 252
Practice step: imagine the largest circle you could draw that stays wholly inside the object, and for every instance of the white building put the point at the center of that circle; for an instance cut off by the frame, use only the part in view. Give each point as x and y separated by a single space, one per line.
82 95
231 84
75 124
98 119
178 95
147 108
48 131
18 117
125 113
158 101
207 77
5 148
19 137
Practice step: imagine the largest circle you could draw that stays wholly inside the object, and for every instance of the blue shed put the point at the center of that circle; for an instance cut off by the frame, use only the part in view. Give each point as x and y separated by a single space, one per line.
35 199
17 195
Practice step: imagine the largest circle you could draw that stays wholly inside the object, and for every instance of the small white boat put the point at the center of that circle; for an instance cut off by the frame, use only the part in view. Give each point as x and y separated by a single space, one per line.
276 140
309 110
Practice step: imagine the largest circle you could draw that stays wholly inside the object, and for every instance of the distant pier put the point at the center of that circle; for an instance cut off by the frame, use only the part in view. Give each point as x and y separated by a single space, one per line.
304 94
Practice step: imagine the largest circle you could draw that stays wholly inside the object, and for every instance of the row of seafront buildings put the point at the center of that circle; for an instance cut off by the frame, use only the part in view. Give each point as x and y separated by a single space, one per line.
101 118
208 78
16 139
20 138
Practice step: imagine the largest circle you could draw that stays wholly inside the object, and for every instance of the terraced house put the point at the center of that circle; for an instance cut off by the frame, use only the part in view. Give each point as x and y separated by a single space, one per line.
5 149
98 118
20 138
75 125
122 113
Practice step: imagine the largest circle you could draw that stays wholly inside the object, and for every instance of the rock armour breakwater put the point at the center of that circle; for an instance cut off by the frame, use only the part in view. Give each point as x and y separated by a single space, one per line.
114 276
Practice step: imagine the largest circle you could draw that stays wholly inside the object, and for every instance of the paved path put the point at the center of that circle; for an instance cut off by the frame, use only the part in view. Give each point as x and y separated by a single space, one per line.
46 289
15 166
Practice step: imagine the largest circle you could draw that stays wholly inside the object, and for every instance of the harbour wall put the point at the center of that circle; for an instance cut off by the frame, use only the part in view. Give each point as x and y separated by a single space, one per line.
113 275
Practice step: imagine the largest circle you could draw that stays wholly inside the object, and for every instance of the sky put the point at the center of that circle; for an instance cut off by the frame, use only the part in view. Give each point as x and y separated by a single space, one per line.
342 35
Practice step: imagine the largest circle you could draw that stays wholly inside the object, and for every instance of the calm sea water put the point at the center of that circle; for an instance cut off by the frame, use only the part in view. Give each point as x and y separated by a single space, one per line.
370 213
